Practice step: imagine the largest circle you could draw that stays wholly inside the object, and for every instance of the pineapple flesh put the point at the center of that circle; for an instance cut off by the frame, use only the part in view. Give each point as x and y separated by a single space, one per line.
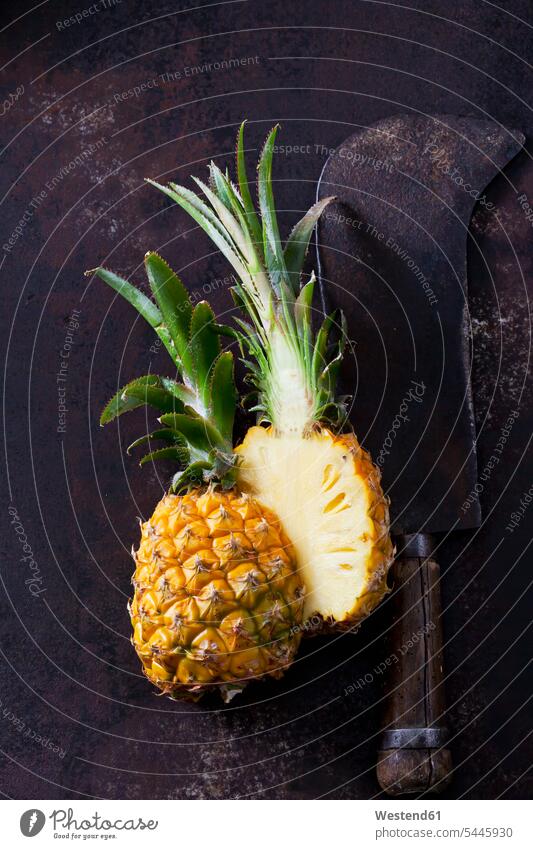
307 464
326 490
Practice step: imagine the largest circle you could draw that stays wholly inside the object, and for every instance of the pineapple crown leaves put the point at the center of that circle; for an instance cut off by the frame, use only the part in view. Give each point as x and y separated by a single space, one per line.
269 288
198 413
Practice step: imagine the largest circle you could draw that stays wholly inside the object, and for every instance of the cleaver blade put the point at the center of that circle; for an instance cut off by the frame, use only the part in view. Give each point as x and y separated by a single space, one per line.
393 256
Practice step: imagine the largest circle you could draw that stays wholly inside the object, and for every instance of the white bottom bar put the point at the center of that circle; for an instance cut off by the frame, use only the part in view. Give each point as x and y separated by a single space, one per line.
268 824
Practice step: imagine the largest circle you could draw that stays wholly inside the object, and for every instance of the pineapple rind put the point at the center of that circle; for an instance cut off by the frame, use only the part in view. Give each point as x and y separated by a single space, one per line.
218 599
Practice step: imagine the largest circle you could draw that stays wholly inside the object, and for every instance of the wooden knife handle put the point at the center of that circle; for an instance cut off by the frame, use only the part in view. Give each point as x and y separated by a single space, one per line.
413 756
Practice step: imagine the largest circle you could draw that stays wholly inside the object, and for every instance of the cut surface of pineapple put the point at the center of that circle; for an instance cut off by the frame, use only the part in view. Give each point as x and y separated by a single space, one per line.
327 495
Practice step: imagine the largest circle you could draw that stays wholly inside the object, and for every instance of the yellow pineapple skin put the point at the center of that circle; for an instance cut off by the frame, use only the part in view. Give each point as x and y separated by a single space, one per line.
218 599
327 493
382 554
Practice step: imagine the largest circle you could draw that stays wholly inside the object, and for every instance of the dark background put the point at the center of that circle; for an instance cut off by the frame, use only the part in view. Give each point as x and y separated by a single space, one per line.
322 69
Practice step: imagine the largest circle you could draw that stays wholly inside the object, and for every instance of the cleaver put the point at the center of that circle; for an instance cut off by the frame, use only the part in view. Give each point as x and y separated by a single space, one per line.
392 254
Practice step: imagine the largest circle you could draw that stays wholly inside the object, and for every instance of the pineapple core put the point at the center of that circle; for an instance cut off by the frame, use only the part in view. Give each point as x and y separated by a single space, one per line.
326 494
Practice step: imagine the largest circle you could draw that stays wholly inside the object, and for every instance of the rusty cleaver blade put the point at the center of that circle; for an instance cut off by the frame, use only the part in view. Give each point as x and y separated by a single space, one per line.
392 253
393 256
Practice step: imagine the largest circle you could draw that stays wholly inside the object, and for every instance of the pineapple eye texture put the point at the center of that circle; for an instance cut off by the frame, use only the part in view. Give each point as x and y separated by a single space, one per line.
220 607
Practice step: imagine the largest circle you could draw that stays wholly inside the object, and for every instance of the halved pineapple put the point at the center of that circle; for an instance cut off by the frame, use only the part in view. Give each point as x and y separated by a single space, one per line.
326 493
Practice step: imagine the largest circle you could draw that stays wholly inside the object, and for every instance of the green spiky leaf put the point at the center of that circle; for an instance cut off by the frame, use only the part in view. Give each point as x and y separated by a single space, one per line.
183 393
206 218
303 317
222 187
177 455
205 348
164 434
319 359
223 395
142 304
194 473
198 432
251 215
134 296
174 304
298 241
303 305
244 237
227 330
229 222
271 239
141 391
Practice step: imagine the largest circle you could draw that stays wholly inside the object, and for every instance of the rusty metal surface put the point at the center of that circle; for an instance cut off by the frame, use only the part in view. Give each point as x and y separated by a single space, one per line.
393 257
69 675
